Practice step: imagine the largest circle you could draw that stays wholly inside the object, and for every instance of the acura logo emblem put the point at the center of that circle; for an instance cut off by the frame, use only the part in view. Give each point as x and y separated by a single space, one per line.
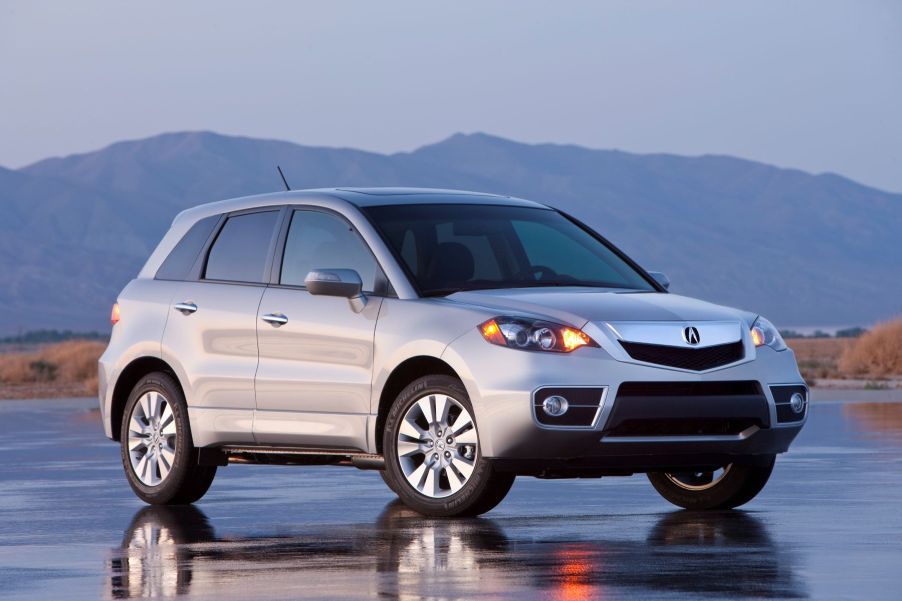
690 335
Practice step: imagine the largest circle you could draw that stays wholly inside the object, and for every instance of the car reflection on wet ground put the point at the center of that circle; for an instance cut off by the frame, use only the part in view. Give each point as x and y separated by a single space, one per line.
828 525
175 551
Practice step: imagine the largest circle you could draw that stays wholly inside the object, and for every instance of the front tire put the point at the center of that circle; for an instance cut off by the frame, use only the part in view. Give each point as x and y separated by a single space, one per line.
157 451
388 481
432 453
727 488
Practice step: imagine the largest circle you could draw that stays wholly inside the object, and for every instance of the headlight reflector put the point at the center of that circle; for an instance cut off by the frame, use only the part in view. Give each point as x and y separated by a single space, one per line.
765 333
533 335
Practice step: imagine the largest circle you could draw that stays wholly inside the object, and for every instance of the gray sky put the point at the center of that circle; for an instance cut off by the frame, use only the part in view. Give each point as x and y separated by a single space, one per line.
814 85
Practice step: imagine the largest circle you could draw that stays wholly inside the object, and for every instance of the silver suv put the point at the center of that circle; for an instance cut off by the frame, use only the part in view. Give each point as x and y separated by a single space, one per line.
451 340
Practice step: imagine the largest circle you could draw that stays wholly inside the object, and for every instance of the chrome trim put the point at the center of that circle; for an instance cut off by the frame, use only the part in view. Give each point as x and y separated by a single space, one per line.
670 333
186 308
275 319
748 432
772 402
609 334
674 478
603 408
289 450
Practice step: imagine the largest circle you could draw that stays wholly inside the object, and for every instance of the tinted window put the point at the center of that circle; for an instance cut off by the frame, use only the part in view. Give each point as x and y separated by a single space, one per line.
567 251
178 264
318 240
485 258
242 248
471 247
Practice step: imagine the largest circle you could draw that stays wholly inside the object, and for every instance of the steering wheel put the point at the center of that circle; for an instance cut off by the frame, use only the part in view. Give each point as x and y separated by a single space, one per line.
542 272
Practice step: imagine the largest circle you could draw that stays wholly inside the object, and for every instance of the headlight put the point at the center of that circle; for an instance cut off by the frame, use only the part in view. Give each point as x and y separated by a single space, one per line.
533 335
764 333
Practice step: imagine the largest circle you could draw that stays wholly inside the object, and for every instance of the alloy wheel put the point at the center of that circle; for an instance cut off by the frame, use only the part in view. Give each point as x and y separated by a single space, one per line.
437 446
152 435
697 481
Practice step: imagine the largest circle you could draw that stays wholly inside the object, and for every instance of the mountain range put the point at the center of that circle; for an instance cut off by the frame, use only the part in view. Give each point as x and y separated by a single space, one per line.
802 249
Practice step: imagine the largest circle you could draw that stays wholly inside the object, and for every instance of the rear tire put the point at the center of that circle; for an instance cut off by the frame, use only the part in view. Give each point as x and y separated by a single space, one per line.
157 451
738 485
432 453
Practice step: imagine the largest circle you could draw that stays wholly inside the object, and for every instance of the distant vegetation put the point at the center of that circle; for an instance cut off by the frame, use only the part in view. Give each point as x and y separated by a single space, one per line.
845 333
818 358
46 336
63 369
852 353
877 353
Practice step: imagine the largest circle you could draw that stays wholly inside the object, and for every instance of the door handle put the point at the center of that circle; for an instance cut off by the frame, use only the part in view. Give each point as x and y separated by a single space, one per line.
275 319
187 308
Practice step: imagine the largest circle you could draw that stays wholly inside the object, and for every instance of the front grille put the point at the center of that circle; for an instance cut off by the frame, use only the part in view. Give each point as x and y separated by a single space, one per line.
683 427
696 359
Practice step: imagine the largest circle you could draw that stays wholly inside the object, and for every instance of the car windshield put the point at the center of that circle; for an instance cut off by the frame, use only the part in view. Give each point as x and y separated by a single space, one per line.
447 248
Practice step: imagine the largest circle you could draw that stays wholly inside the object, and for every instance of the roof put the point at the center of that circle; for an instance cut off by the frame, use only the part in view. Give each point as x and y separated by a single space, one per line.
359 197
366 197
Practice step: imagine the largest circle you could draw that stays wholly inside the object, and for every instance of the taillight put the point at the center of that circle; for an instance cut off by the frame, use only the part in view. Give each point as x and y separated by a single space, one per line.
114 314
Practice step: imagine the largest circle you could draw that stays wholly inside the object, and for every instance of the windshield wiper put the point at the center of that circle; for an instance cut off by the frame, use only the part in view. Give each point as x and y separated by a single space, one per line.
514 285
466 288
560 284
441 291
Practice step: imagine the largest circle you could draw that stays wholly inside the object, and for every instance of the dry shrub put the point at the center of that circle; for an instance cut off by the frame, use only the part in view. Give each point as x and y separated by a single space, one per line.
72 362
877 353
16 368
90 385
76 360
818 357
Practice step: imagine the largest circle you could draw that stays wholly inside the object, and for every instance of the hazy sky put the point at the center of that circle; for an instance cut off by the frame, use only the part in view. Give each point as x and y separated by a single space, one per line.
815 85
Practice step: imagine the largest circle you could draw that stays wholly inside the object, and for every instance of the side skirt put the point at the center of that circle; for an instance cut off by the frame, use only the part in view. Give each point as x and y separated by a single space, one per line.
289 456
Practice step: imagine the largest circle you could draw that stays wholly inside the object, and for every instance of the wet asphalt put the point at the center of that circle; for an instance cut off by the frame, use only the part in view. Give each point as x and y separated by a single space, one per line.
828 526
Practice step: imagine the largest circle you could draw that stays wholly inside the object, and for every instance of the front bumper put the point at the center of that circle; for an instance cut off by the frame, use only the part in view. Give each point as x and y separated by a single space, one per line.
501 383
552 454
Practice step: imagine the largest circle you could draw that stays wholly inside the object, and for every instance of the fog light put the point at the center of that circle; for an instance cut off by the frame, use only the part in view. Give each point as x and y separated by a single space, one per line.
555 406
797 402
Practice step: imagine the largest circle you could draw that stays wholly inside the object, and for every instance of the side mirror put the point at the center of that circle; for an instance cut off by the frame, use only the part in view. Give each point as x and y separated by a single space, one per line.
345 283
660 278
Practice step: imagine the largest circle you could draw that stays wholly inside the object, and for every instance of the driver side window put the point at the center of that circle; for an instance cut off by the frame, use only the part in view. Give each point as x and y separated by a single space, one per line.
318 240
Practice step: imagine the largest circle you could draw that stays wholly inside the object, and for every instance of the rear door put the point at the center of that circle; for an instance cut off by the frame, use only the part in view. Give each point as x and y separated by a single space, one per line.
315 374
211 333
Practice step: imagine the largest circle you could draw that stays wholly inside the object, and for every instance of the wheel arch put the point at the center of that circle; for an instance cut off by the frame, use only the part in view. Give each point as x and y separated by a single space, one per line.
130 375
403 374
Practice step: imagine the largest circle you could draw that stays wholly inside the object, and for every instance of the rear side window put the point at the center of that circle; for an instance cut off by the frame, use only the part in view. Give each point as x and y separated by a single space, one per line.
178 264
241 249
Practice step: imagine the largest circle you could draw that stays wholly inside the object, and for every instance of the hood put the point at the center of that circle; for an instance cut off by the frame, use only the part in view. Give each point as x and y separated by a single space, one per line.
577 306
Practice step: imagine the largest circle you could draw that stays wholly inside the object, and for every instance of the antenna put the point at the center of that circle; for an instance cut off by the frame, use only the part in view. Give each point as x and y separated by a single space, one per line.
284 181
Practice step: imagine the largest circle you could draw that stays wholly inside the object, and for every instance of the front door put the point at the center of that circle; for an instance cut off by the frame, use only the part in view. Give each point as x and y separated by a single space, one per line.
314 379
